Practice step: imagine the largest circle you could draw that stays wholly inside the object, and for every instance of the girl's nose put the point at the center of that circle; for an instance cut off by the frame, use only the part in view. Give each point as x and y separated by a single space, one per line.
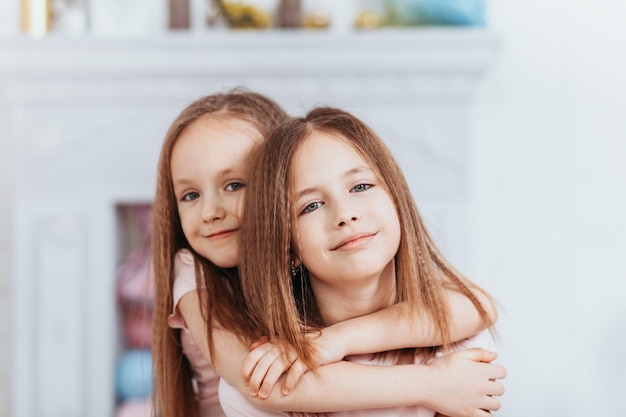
344 223
213 210
346 217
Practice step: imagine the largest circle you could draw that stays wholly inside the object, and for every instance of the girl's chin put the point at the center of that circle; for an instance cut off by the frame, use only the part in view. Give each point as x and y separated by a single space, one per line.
224 262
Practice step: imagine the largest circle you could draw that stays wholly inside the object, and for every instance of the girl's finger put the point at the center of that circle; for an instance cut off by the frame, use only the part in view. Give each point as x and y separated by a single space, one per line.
252 359
278 367
298 368
260 370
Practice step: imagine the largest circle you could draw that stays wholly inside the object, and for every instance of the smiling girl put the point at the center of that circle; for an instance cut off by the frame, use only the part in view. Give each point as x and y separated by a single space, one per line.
347 241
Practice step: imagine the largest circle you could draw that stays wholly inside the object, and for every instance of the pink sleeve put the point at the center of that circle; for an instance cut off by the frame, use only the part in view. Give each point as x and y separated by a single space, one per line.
184 282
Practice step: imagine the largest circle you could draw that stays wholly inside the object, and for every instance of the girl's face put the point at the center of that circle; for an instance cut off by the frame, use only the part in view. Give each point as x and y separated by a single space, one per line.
347 229
209 175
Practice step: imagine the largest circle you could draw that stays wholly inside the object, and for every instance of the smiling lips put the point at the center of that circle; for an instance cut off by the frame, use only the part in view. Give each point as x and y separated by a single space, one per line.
221 234
356 241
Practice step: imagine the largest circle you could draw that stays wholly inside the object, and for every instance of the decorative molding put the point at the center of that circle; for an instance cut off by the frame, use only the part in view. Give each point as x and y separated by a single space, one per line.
60 303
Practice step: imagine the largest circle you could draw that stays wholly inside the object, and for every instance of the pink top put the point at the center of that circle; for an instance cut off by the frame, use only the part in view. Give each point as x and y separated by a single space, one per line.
205 381
235 404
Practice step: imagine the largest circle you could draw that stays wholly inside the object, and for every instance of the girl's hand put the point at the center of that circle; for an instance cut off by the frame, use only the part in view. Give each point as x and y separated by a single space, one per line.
465 384
265 364
268 361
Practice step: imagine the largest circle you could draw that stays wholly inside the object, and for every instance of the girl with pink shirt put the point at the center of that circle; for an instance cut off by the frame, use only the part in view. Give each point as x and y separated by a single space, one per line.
347 241
202 328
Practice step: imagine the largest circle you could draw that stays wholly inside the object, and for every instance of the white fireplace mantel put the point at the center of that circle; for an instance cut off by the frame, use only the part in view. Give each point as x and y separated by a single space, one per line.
457 54
87 117
414 49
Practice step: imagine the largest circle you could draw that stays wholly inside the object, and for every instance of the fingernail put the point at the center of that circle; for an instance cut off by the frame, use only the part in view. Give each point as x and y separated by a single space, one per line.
286 391
252 392
263 394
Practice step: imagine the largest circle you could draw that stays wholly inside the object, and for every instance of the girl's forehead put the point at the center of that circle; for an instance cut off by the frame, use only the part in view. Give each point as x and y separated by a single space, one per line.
243 125
211 144
321 155
317 139
222 121
326 146
324 151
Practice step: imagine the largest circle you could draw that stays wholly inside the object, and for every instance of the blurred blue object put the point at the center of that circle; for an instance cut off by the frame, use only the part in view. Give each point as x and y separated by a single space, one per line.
443 12
133 376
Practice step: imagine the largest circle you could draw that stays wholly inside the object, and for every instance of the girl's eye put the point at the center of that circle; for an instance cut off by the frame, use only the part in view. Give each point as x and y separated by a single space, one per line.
360 188
191 196
235 186
312 207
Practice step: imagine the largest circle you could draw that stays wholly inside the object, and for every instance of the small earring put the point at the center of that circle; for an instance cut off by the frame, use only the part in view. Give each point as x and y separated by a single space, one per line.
293 269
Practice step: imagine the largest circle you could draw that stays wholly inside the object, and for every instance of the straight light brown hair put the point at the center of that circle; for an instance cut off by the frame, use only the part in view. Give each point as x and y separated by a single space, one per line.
284 302
223 300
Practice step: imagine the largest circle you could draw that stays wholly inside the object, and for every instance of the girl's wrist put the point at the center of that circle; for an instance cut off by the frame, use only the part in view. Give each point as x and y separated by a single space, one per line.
335 342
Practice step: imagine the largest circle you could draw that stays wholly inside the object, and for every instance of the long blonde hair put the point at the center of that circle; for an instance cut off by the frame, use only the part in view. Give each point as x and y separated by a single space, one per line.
284 301
223 301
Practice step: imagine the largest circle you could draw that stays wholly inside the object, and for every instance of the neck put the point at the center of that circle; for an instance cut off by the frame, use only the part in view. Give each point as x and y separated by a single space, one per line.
355 298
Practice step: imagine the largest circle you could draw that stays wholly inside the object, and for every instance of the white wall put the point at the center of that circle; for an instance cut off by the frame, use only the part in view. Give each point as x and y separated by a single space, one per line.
549 208
6 206
8 26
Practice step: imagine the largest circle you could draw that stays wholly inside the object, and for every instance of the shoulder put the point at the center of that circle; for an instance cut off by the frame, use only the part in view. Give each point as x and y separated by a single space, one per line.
184 265
184 283
184 258
184 273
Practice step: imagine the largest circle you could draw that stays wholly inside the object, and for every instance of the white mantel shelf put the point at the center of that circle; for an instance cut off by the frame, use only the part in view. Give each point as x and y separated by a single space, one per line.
87 117
411 49
30 65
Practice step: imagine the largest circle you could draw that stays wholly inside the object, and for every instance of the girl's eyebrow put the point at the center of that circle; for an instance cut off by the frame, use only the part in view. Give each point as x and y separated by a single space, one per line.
182 181
356 170
223 173
227 171
304 192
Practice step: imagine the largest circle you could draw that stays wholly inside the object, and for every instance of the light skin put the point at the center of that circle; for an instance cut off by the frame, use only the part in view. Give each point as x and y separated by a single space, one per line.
347 230
209 174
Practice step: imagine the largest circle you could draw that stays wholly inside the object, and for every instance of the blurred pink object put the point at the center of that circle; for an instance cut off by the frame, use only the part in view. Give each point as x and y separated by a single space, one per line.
136 277
137 324
135 287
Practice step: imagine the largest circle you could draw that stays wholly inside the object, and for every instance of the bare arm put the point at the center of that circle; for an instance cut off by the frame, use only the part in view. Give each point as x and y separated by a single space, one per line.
394 328
348 386
443 385
390 328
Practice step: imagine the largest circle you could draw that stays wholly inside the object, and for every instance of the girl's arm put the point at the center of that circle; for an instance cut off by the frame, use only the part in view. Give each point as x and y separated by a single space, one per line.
387 329
394 328
461 384
457 385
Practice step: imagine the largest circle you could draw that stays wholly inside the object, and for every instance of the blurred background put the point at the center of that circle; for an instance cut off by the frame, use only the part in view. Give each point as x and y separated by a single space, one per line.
507 116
